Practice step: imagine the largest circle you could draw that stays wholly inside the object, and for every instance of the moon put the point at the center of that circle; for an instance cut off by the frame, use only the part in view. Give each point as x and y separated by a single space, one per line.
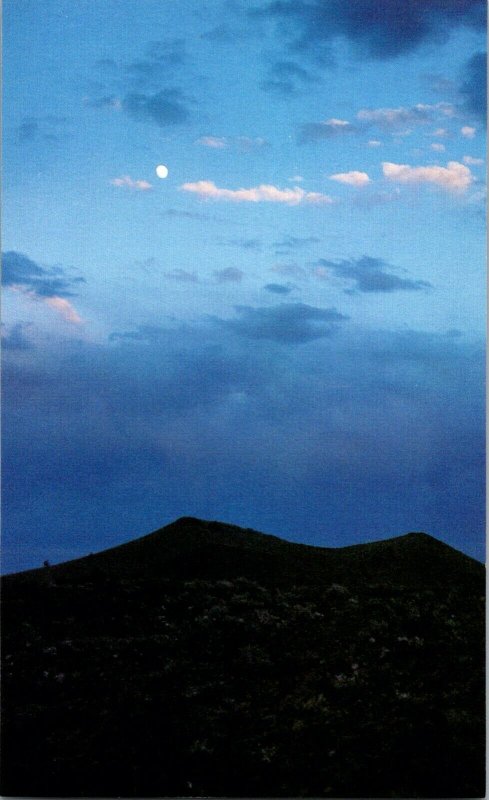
162 171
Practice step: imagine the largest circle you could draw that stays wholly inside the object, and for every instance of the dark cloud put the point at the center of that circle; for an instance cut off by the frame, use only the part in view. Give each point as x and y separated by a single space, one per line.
356 436
372 275
160 58
287 78
167 107
20 271
381 29
27 130
474 86
45 127
287 323
228 274
277 288
141 87
13 338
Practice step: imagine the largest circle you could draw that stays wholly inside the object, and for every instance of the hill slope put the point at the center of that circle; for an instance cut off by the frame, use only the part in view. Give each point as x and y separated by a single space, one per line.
204 659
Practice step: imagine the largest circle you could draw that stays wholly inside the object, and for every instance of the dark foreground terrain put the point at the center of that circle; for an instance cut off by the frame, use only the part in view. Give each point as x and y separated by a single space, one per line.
205 659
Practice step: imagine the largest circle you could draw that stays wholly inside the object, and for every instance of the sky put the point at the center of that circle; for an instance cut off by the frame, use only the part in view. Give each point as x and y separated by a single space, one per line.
285 333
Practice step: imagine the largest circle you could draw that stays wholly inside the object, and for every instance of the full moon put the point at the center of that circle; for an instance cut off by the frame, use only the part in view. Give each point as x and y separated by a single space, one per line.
162 171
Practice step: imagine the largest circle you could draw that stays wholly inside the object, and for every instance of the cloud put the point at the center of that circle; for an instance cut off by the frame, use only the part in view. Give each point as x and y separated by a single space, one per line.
214 142
315 131
14 338
438 147
287 78
21 272
167 107
467 132
455 177
471 161
264 193
387 422
50 286
380 29
353 178
369 275
290 270
228 274
474 86
160 58
250 144
277 288
245 144
65 309
374 143
183 276
245 244
45 127
289 243
287 323
109 101
125 182
393 118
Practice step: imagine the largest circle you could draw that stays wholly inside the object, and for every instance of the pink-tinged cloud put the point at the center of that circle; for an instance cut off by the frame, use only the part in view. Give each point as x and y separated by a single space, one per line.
65 309
467 131
264 193
215 142
353 178
125 182
455 177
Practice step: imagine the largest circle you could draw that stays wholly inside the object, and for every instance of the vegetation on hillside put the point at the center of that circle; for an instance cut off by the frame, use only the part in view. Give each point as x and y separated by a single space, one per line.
235 680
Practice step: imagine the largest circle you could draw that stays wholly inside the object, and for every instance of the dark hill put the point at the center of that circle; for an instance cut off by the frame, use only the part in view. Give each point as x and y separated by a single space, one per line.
205 659
194 548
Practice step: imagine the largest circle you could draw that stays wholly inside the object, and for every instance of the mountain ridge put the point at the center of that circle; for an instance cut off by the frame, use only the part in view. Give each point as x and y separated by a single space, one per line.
191 546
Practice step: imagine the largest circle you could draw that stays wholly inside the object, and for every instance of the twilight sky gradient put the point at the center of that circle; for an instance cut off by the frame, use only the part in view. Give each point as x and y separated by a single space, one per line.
287 332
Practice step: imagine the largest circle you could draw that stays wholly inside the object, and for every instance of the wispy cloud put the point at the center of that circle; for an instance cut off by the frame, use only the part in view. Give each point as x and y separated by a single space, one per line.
265 193
228 275
389 118
183 276
315 131
352 178
287 78
245 144
290 243
468 132
471 161
126 182
214 142
455 177
437 147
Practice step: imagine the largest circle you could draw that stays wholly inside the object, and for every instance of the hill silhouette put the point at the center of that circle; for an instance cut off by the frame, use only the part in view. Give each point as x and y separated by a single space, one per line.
207 659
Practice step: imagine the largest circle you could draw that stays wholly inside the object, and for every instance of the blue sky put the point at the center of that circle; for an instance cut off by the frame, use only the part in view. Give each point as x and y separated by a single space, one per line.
286 332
